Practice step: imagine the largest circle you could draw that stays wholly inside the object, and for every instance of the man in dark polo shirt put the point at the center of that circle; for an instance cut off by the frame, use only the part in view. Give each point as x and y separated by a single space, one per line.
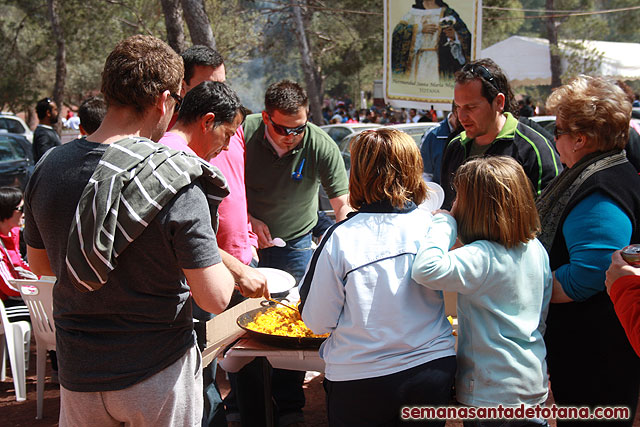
287 159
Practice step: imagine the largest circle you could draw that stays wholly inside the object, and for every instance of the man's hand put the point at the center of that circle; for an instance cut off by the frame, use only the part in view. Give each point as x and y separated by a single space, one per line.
251 283
262 230
618 268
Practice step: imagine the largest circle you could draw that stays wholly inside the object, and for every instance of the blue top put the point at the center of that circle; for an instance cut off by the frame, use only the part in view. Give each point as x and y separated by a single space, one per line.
358 287
593 230
433 143
503 300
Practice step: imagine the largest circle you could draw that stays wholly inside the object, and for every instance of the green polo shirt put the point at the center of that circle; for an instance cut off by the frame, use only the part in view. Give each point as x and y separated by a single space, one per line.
290 207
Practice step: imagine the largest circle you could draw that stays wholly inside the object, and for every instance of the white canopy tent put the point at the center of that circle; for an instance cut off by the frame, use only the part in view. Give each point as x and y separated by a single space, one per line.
525 60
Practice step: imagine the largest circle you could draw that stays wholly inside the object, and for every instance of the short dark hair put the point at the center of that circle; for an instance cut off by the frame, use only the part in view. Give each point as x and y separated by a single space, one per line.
138 70
91 112
200 55
42 107
285 96
490 89
9 200
210 97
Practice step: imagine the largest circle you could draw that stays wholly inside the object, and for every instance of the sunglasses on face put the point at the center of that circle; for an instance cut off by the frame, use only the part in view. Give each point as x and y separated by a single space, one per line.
482 72
285 131
20 209
178 100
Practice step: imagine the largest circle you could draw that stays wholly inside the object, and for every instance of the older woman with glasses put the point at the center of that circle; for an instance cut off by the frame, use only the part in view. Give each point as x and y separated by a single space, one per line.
591 209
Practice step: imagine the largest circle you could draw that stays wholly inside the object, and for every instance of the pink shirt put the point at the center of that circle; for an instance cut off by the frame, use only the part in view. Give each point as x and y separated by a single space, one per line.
175 141
234 230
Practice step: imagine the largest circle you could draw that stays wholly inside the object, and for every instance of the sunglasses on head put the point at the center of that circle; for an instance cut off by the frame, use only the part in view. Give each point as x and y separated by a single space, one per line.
178 99
482 72
285 131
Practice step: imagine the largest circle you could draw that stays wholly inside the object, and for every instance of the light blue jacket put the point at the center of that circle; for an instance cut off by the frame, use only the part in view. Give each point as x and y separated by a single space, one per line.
503 301
358 287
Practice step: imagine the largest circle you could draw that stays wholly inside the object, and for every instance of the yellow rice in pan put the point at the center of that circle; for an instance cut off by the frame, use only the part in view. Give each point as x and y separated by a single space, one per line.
282 321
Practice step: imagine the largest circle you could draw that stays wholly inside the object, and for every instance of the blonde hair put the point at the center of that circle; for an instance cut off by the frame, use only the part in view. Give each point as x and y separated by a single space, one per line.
494 202
386 165
595 107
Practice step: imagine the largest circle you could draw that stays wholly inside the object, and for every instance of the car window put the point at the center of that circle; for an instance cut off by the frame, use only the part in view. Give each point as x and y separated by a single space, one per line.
10 149
338 133
11 125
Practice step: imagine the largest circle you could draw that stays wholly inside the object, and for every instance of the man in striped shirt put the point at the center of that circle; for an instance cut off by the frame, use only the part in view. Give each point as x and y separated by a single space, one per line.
124 223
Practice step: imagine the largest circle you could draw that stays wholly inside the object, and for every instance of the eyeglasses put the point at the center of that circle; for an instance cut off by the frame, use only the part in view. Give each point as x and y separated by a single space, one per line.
178 99
285 131
20 209
483 72
557 132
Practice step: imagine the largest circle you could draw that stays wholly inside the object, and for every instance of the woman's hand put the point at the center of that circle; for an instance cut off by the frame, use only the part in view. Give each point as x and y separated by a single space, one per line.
429 28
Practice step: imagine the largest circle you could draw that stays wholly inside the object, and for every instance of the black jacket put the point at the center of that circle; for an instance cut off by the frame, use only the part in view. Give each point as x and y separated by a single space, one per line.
43 140
531 149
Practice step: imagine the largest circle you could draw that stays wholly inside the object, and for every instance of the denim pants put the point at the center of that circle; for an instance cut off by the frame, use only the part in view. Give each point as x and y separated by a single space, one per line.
286 385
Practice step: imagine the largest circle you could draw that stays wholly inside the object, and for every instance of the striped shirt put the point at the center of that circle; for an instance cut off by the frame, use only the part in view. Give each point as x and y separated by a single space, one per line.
134 180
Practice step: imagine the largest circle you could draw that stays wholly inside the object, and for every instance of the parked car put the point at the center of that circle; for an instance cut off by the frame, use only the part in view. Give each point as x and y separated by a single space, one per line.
16 160
342 130
415 131
547 122
11 123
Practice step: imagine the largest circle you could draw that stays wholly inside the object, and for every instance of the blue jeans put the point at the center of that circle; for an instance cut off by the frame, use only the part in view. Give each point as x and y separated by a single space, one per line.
293 258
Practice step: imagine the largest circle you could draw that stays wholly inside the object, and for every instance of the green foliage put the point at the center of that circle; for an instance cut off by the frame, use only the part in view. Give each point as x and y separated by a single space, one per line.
498 25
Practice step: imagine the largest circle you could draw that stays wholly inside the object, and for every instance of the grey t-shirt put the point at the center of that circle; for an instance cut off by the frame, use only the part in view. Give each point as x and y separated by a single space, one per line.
140 321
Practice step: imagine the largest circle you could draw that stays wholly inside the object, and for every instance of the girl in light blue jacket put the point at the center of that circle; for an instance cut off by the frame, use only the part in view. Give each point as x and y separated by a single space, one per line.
503 280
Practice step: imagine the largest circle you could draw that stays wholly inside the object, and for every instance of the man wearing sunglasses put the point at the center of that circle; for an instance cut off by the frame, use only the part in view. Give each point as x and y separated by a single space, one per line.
287 158
486 108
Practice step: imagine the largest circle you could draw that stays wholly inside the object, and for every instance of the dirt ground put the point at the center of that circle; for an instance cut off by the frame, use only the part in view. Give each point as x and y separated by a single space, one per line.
19 414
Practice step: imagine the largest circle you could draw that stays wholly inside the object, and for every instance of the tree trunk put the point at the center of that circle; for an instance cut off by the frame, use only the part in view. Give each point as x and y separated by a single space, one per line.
173 23
308 67
554 51
61 61
198 23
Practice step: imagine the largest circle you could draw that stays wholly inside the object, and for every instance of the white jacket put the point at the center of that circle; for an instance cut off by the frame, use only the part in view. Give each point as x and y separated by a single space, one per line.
358 286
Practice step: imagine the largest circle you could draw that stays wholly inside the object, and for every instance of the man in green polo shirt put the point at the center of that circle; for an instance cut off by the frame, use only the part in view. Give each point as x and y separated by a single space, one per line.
287 159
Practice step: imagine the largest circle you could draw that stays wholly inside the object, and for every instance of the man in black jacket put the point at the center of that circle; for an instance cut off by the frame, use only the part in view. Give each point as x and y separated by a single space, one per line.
45 137
485 108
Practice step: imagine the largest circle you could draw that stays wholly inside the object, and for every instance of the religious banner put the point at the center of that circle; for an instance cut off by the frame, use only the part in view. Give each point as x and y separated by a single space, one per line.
426 42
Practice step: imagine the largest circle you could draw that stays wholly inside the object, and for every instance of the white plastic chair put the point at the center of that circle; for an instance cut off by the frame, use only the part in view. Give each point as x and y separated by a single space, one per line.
37 295
17 341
